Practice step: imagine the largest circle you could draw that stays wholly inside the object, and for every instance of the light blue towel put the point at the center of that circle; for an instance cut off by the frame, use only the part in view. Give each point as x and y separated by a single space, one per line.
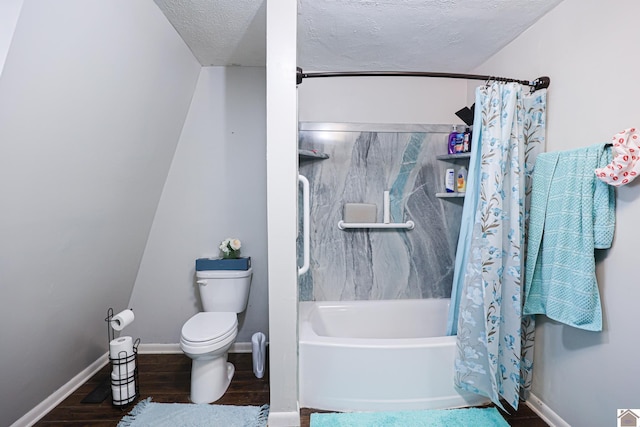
572 213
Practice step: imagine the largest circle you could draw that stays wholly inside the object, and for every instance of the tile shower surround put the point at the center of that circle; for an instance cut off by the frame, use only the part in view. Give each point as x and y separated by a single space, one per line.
370 264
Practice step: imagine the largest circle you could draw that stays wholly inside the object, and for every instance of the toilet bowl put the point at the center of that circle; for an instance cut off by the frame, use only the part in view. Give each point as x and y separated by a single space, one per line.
207 336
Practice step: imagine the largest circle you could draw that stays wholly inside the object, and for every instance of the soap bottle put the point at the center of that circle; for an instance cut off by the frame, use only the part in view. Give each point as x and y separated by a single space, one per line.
459 147
462 180
453 140
449 181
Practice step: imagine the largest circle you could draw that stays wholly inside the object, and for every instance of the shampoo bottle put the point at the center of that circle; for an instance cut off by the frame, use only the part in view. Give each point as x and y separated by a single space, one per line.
453 136
449 181
462 180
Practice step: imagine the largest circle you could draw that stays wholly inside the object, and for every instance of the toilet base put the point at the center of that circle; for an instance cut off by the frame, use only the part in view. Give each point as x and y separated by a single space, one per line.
210 379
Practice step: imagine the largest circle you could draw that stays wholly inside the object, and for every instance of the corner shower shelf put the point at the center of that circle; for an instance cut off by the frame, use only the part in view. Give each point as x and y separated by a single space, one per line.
449 195
456 156
453 156
406 225
312 155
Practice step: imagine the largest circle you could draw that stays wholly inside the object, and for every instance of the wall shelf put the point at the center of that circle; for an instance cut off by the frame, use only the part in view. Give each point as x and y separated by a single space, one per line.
453 156
449 195
406 225
456 156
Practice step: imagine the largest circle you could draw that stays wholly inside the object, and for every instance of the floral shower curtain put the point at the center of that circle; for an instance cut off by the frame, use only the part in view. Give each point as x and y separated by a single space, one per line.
494 341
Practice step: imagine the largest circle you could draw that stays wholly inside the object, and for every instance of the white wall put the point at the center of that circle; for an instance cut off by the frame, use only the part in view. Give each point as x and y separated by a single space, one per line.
93 96
282 190
588 49
216 188
381 100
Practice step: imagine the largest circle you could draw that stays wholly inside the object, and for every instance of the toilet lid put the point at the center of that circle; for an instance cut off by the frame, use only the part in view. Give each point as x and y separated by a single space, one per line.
208 326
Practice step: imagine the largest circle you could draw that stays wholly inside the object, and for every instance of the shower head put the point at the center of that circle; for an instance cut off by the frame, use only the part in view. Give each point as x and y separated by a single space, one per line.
466 114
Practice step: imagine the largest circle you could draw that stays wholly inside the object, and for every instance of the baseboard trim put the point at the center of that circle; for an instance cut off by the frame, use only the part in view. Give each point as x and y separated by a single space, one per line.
241 347
44 407
547 414
236 347
283 419
159 349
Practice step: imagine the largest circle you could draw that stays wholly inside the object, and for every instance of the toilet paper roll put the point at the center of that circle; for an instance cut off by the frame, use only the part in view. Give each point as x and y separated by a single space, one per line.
123 368
122 319
123 394
122 380
121 348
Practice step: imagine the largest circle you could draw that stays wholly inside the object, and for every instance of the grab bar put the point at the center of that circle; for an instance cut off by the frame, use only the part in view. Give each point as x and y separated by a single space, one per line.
305 223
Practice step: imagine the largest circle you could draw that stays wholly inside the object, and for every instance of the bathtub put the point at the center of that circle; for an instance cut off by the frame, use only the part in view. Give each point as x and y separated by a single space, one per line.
378 356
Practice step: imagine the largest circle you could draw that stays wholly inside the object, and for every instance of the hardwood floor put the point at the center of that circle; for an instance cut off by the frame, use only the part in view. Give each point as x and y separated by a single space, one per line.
166 378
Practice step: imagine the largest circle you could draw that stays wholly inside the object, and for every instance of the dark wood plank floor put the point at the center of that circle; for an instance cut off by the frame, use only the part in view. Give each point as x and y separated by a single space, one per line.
166 379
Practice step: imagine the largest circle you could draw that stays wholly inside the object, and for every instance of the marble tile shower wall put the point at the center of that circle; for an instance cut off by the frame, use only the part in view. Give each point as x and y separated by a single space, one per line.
372 264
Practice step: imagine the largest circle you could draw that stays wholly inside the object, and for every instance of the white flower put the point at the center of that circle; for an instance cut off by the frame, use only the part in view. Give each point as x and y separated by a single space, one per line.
235 244
230 247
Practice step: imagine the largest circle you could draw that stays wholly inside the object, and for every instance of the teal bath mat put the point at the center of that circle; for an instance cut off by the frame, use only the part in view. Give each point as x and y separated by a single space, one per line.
471 417
152 414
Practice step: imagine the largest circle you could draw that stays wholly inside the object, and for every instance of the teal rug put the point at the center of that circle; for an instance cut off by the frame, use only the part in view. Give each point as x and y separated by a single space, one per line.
151 414
471 417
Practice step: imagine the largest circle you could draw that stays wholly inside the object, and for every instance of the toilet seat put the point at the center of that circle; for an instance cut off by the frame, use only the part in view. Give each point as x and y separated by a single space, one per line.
208 328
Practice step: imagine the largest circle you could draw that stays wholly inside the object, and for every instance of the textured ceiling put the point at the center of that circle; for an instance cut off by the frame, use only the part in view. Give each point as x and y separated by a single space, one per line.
220 32
340 35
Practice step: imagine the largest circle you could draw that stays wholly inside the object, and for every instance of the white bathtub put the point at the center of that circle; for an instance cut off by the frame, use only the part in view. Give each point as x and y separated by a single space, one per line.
378 356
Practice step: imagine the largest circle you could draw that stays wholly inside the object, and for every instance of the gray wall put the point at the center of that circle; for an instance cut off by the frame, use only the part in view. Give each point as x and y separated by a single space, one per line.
585 376
216 188
364 161
93 96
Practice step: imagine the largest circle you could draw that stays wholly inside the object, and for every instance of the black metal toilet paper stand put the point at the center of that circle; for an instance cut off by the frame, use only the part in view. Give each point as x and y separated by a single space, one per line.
124 380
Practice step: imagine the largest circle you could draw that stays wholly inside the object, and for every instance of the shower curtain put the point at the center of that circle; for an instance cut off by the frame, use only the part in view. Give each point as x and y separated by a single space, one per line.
494 354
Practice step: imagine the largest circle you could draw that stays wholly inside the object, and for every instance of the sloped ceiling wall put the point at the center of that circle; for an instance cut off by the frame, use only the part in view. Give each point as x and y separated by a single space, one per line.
9 12
93 97
228 32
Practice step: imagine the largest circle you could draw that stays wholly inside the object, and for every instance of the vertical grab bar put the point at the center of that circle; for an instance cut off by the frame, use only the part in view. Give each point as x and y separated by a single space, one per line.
305 223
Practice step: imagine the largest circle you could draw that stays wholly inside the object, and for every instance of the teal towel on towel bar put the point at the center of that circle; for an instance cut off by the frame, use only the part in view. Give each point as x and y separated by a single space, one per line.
572 213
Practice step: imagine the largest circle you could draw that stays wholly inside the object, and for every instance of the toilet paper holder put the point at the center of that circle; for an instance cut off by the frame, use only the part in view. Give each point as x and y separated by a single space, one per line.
124 374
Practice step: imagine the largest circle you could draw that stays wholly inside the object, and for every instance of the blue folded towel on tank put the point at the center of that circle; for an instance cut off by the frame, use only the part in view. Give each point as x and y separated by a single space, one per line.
572 213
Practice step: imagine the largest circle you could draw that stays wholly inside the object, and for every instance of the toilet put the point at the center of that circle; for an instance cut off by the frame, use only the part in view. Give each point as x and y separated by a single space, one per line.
207 336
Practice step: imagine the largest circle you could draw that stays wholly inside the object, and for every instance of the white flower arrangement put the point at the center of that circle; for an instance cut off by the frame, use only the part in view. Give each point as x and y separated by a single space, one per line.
230 248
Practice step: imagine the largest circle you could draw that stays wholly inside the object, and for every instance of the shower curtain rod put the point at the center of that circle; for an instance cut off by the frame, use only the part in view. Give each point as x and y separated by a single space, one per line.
539 83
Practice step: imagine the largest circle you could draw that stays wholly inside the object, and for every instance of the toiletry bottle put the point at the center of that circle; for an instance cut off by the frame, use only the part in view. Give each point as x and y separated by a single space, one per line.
466 143
449 181
459 146
452 140
462 180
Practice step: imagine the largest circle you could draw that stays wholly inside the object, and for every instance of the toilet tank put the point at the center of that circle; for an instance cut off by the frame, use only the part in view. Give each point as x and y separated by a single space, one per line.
224 290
